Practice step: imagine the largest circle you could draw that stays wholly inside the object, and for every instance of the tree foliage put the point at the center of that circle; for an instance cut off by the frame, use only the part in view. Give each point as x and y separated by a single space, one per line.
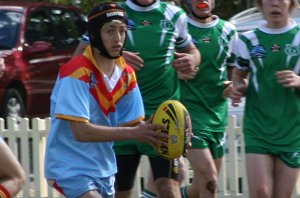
224 8
227 8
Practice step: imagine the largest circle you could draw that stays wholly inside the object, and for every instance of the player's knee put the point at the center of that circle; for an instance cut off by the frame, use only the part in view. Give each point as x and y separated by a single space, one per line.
167 188
211 186
182 174
262 191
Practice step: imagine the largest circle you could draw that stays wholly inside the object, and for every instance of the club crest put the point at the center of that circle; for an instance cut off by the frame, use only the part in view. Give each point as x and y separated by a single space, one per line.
292 50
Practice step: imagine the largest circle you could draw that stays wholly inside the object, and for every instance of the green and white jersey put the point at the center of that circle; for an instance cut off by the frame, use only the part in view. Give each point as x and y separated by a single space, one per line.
272 111
203 95
155 32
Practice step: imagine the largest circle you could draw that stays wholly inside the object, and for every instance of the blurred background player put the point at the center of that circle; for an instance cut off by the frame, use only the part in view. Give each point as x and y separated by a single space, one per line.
12 175
95 101
271 121
203 95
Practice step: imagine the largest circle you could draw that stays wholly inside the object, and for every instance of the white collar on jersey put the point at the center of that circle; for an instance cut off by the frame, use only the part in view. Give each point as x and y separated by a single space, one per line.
284 29
111 82
143 9
204 25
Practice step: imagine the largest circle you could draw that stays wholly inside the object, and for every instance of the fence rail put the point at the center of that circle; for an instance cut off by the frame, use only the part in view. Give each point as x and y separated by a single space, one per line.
28 141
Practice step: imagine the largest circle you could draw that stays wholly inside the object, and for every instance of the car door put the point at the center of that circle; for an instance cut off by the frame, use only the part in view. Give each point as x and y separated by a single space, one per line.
57 44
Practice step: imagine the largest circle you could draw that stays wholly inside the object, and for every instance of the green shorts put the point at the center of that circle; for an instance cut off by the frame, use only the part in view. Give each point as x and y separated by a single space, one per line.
291 159
132 147
214 141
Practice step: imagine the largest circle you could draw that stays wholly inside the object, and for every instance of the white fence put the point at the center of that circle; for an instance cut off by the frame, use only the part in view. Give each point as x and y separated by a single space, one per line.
28 143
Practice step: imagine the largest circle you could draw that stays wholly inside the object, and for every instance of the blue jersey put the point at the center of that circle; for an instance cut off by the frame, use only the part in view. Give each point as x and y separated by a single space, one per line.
82 93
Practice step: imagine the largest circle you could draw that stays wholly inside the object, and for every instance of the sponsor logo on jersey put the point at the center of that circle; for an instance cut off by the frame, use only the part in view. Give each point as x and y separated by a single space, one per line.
258 52
146 23
275 48
206 39
167 25
93 81
292 50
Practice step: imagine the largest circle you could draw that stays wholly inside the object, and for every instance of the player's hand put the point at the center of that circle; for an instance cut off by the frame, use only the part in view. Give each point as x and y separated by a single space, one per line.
2 67
185 65
146 132
288 79
227 88
236 94
133 59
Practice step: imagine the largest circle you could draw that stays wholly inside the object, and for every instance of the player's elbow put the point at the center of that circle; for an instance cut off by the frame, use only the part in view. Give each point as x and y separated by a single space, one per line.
18 182
78 129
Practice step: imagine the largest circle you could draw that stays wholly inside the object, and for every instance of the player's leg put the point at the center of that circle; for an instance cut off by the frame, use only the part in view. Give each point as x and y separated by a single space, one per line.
165 173
260 169
127 168
286 174
12 175
205 178
205 157
150 190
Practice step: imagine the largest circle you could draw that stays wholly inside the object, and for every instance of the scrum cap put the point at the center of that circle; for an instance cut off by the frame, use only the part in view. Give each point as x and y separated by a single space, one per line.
97 17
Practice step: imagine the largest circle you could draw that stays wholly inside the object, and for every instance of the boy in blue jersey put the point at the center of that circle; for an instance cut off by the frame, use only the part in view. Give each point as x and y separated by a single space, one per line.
158 45
12 175
95 101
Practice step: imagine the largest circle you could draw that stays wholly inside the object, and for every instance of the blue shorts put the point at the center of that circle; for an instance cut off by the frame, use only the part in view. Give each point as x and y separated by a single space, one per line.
77 186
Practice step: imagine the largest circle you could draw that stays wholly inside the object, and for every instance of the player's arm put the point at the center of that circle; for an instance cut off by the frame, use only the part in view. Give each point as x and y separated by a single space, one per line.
240 84
186 61
143 132
12 175
133 59
288 79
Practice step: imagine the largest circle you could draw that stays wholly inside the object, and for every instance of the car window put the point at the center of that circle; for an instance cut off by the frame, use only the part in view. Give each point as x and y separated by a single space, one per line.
70 24
61 27
9 28
40 28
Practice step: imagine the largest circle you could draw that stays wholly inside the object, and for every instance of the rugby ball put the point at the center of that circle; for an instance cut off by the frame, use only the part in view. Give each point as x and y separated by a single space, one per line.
176 118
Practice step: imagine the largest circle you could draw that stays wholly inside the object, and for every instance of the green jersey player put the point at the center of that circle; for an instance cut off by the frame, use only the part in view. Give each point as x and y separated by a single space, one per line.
203 95
270 54
160 46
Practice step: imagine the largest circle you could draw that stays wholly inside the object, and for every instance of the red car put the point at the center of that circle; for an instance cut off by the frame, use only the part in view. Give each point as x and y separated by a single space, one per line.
35 40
